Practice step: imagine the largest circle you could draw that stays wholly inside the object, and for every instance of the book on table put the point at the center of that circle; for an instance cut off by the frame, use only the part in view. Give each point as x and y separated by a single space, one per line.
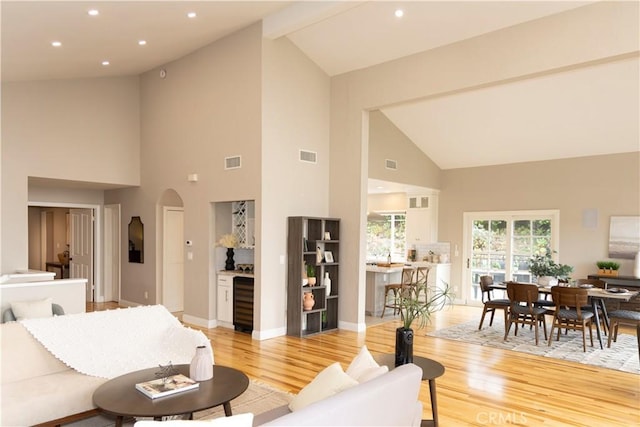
167 386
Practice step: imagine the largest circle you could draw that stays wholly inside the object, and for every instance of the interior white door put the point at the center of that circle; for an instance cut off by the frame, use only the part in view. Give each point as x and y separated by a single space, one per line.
81 248
173 259
112 253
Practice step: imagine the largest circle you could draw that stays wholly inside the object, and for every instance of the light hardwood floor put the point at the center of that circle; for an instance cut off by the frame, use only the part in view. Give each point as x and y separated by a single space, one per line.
481 386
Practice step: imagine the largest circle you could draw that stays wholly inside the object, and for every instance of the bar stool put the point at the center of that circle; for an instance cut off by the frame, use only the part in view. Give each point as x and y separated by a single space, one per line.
396 289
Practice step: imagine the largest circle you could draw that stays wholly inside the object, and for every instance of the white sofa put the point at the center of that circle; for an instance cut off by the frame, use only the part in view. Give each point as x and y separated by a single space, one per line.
388 400
38 388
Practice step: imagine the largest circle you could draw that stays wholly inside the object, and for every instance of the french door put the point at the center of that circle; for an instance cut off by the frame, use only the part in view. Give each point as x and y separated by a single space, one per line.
500 244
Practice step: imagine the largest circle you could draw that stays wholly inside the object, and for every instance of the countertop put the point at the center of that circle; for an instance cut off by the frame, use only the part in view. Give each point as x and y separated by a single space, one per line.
397 268
236 273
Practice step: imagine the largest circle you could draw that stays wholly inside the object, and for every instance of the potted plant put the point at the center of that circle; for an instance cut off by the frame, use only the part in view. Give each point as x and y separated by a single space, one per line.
417 304
608 268
547 271
311 275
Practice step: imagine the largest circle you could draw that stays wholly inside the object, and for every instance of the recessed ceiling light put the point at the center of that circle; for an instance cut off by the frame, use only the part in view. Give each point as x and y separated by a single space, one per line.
399 13
56 44
93 12
142 42
105 63
191 15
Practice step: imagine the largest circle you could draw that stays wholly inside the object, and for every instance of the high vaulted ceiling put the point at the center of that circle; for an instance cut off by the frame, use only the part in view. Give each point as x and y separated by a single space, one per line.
596 112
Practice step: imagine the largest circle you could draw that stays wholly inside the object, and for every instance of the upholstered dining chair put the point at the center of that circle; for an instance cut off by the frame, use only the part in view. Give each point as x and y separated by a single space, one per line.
490 304
396 289
625 317
569 313
522 308
602 309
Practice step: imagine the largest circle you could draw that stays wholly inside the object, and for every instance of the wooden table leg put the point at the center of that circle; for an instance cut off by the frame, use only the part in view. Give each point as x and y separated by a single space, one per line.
434 403
227 409
119 420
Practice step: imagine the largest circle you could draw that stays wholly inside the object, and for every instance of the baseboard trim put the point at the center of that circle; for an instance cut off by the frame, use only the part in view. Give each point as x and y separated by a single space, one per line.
353 327
268 334
197 321
128 303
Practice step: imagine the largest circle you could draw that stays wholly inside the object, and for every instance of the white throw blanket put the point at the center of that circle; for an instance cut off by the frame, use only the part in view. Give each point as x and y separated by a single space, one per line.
114 342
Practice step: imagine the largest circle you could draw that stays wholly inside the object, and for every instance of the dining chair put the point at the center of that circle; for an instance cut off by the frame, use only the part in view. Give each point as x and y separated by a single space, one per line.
396 289
602 309
522 308
569 312
625 317
491 305
420 282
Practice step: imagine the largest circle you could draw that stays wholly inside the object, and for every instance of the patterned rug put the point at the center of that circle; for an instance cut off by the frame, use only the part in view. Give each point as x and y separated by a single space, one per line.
622 356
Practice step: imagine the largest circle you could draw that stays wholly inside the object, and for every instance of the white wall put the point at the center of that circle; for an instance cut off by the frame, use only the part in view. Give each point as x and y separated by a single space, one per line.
295 111
207 108
80 130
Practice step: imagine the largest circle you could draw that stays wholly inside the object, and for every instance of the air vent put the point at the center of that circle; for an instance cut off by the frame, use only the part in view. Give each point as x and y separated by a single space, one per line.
391 164
419 202
234 162
308 156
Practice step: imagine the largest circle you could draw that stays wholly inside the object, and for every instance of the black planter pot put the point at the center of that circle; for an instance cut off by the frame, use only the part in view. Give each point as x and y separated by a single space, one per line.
229 263
404 346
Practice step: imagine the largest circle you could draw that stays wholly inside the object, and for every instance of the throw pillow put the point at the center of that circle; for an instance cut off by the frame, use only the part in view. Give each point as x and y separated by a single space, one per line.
363 366
330 381
372 373
32 309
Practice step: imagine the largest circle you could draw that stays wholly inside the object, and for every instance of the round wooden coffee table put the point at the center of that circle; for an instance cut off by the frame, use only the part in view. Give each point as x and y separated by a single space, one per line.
120 397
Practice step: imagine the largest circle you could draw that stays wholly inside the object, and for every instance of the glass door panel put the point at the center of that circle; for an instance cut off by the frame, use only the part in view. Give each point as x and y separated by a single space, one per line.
500 244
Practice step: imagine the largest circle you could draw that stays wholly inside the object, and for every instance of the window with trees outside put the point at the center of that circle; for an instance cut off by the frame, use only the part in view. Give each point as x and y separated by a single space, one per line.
386 235
502 244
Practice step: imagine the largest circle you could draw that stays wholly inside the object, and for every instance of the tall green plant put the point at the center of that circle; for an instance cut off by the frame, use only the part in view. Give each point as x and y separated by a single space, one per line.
420 302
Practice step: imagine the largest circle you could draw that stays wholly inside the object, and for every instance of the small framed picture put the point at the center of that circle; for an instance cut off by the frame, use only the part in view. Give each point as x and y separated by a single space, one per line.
328 256
327 235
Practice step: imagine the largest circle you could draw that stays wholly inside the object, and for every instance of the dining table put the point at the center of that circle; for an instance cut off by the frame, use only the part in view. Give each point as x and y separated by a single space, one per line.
597 296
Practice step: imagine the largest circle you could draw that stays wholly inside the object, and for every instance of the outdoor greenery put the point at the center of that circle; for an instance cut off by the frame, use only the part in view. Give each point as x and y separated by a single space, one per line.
386 235
608 265
543 265
419 303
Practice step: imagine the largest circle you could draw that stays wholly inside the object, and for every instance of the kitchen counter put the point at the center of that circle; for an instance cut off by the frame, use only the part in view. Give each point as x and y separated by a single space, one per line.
378 277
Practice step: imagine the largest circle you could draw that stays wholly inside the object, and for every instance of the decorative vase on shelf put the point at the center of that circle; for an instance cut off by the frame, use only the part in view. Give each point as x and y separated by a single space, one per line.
404 346
229 263
327 282
318 255
201 368
308 301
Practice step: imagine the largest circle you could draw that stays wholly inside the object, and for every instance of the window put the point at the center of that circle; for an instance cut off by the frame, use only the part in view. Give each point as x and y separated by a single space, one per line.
500 244
386 235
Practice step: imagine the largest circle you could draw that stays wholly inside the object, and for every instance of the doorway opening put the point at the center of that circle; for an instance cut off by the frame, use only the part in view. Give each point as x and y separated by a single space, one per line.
61 231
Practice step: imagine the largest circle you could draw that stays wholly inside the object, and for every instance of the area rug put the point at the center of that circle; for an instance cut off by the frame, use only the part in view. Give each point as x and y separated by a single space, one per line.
622 356
258 398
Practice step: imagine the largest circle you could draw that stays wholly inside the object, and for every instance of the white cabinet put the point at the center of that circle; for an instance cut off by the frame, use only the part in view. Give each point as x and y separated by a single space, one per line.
422 220
225 300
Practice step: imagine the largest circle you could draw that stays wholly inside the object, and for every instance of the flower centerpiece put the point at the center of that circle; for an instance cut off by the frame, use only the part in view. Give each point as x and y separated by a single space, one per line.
546 270
417 304
229 241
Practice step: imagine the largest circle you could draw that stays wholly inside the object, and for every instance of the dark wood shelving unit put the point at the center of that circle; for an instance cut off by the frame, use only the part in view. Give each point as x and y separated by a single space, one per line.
305 235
